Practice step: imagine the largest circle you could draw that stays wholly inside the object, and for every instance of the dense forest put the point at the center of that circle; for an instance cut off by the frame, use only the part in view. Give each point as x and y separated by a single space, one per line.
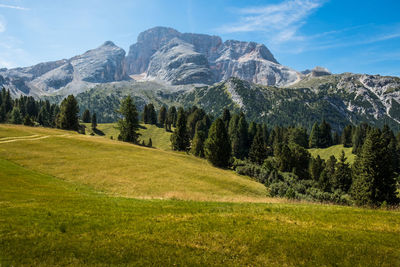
273 155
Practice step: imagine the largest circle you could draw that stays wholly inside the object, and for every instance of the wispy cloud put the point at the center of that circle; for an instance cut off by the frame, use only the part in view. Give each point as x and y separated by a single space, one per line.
13 7
2 25
281 21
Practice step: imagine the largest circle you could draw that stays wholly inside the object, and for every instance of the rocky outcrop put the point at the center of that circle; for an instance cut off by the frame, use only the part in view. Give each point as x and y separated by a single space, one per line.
178 63
245 60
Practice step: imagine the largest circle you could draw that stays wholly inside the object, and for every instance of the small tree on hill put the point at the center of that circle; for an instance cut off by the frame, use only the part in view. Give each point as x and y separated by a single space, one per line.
180 137
162 115
129 124
258 152
68 116
94 121
86 116
217 148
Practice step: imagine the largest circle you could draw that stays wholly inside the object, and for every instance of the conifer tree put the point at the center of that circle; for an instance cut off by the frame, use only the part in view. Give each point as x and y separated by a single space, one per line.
317 165
258 151
335 139
226 117
68 117
151 114
150 143
346 138
198 140
180 138
128 125
325 133
217 148
145 115
298 136
28 121
342 176
243 138
162 115
315 136
94 121
251 132
16 116
86 118
373 177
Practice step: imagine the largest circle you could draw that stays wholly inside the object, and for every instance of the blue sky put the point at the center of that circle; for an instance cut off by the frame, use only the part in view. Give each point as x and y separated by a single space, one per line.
344 36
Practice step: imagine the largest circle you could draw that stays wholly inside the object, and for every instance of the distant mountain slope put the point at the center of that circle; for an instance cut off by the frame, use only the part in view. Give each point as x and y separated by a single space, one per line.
101 65
339 99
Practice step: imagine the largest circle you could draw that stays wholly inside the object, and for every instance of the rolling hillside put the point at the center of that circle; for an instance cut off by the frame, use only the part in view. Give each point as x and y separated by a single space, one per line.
69 199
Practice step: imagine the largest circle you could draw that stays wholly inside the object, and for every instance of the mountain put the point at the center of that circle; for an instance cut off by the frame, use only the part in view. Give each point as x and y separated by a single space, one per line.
101 65
167 67
215 60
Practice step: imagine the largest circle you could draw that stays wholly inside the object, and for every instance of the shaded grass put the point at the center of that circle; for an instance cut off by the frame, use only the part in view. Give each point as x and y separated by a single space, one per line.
336 151
47 221
160 138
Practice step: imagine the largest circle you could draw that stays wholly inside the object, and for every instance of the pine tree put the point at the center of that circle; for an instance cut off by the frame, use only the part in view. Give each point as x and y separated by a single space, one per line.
129 124
258 151
180 138
217 148
192 119
359 135
300 161
68 117
342 176
162 115
244 145
317 165
346 138
283 157
226 117
171 118
336 139
251 133
151 114
298 136
94 121
28 121
150 143
325 135
86 116
145 115
16 116
198 140
373 177
315 136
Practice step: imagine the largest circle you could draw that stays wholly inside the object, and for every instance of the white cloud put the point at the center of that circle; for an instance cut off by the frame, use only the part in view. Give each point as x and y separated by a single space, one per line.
281 21
13 7
2 24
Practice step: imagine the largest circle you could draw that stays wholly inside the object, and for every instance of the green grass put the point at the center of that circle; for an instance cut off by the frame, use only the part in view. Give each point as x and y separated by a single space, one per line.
336 151
159 137
52 213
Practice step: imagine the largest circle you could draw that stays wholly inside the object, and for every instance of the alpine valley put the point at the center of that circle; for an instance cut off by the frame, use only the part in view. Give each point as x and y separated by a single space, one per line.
166 67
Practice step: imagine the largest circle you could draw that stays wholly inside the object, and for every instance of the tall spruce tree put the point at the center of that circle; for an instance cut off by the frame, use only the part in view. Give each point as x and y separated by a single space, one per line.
128 125
145 115
226 117
151 114
180 139
325 132
342 176
68 117
315 136
199 139
162 115
346 138
258 152
373 176
86 118
317 165
217 148
94 121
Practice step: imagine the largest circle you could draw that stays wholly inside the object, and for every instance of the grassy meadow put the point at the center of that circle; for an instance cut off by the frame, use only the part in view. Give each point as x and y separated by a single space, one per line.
70 199
159 137
336 151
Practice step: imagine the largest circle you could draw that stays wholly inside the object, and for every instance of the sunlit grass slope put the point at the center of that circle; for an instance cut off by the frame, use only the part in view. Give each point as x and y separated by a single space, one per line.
45 221
336 151
159 137
124 169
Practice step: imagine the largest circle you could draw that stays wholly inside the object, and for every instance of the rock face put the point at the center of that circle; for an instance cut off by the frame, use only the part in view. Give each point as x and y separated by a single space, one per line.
101 65
178 63
245 60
